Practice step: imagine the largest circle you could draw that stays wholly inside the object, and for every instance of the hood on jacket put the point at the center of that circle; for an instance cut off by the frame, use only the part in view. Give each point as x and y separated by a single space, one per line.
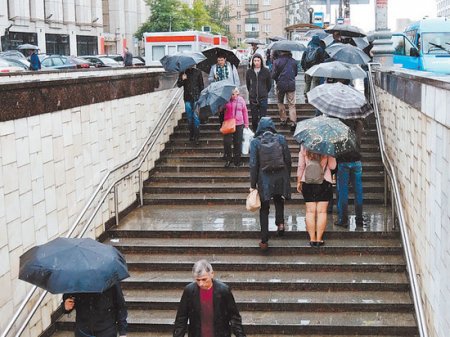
315 41
258 56
265 124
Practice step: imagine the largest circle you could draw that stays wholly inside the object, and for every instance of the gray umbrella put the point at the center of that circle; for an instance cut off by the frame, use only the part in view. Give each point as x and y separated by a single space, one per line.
215 95
319 32
27 46
346 30
339 100
251 40
361 42
181 61
337 69
277 38
347 53
287 45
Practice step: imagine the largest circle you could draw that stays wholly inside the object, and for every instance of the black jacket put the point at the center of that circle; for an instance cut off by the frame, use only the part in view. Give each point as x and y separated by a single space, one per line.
226 315
99 311
283 72
259 85
193 85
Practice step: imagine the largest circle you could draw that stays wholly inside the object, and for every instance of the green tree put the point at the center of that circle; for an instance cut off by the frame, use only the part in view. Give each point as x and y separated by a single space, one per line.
220 16
166 15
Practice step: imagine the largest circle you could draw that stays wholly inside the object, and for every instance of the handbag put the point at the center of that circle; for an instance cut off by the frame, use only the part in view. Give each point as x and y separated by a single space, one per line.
229 126
253 202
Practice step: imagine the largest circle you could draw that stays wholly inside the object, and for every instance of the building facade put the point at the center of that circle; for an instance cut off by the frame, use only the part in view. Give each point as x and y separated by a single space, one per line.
72 27
443 8
258 19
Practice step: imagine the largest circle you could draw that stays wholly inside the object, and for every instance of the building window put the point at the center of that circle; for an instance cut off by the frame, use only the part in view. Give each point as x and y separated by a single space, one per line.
267 15
239 28
239 40
57 44
158 52
252 27
227 28
267 28
238 2
238 15
87 45
267 2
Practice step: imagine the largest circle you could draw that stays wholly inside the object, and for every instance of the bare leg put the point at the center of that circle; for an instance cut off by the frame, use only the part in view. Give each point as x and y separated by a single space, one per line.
321 218
311 220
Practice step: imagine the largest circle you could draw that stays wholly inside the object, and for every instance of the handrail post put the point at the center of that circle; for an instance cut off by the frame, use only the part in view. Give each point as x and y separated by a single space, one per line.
116 203
141 189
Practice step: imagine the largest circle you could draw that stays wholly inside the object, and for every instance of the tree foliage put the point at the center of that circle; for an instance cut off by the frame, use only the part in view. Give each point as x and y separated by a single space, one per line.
172 15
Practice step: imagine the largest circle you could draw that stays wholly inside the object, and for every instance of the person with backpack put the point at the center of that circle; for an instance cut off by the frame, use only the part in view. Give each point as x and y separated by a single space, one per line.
270 172
314 54
237 109
314 182
284 72
258 82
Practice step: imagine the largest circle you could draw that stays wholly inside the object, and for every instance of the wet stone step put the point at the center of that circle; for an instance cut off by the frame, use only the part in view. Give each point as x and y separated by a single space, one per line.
231 198
203 147
394 323
69 333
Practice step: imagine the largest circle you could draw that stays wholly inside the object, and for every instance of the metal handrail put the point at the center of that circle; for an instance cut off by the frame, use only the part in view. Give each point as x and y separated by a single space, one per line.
396 199
147 146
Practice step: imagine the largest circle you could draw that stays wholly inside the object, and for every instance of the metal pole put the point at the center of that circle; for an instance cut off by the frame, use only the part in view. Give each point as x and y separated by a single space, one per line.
141 189
393 208
385 187
116 203
35 307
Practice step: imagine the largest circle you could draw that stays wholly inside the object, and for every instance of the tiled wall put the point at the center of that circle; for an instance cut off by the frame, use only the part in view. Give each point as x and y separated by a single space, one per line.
418 142
50 164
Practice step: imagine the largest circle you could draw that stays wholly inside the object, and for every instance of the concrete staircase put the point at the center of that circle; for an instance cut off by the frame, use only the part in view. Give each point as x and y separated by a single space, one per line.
355 285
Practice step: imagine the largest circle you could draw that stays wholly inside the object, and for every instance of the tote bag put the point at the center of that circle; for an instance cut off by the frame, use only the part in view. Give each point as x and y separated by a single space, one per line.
228 126
253 202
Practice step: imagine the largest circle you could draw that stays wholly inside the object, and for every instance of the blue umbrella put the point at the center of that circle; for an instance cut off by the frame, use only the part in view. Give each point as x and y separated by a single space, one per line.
325 135
179 62
216 95
69 265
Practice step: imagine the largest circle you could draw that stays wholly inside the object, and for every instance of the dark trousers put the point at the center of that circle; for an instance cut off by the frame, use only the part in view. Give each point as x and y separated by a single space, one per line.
264 215
234 139
109 332
258 110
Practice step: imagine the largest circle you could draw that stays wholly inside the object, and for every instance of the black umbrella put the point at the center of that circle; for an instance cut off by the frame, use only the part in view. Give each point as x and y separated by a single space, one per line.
69 265
216 95
211 55
179 62
252 40
346 30
277 38
287 45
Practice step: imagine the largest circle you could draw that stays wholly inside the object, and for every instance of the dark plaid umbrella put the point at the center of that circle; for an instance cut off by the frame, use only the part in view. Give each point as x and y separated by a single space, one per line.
287 45
211 58
325 135
339 100
216 95
70 265
179 62
347 53
319 32
346 30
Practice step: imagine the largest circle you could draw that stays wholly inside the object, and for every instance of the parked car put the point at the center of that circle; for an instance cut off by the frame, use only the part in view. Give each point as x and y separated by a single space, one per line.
137 62
22 63
100 62
8 67
116 57
64 62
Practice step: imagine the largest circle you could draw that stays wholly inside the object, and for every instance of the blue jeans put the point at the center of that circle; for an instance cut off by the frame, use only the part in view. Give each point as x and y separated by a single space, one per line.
346 172
192 116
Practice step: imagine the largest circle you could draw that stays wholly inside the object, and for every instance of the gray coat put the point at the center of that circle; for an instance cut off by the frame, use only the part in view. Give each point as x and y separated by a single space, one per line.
269 183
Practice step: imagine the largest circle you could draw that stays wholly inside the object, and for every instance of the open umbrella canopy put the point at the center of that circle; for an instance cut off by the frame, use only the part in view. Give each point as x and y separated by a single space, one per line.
322 34
179 62
27 46
339 100
325 135
347 53
252 40
72 265
287 45
216 95
211 58
277 38
337 69
346 30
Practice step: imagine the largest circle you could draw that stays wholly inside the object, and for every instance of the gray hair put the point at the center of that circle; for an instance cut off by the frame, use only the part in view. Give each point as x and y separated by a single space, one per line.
201 267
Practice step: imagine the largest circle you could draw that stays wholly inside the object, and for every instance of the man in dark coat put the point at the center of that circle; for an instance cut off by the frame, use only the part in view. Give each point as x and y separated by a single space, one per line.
98 314
209 307
128 58
314 54
284 72
274 184
192 82
258 82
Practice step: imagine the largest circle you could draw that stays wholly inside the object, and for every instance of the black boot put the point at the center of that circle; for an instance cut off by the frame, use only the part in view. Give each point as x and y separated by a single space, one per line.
197 135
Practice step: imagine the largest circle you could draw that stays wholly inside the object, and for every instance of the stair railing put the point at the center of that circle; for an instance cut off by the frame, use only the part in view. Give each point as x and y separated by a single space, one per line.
141 155
398 208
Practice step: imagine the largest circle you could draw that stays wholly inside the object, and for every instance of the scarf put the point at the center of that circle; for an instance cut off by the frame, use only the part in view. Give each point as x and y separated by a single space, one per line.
222 72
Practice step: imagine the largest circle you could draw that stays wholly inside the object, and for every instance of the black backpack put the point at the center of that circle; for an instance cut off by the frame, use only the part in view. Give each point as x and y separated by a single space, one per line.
271 156
312 57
